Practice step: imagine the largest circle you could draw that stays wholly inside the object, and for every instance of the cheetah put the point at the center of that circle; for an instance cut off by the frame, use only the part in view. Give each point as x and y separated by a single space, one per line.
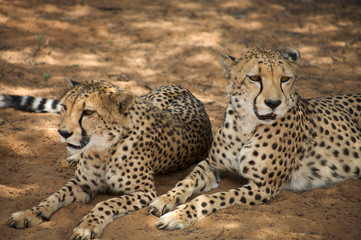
270 136
121 142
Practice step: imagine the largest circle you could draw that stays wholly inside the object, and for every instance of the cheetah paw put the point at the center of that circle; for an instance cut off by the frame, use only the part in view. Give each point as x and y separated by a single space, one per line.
23 219
161 205
174 220
85 232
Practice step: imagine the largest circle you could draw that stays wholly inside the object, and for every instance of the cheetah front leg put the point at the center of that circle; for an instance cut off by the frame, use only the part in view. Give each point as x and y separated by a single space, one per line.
92 225
187 214
71 192
203 178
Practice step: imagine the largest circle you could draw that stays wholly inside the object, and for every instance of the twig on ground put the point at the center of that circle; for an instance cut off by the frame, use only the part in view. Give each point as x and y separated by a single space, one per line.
40 45
219 234
191 231
120 76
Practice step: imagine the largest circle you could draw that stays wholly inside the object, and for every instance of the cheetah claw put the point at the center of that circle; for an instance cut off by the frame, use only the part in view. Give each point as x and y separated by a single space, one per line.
161 206
174 220
23 219
81 233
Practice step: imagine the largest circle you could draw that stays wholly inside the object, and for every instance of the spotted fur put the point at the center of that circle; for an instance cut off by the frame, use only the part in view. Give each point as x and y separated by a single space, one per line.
270 136
121 142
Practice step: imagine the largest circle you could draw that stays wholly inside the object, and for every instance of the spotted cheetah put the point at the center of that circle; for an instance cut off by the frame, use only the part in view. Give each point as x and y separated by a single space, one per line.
270 136
121 142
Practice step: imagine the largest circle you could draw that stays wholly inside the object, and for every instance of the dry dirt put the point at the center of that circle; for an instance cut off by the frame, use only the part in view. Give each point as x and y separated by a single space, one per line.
145 44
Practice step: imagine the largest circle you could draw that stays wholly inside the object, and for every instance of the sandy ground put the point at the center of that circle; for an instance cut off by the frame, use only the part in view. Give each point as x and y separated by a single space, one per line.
145 44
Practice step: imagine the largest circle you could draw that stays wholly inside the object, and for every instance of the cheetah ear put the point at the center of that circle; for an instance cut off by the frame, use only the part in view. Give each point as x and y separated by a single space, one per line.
69 84
227 62
124 100
291 55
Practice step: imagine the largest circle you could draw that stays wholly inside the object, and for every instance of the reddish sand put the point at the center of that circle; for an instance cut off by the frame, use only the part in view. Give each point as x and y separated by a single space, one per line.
145 44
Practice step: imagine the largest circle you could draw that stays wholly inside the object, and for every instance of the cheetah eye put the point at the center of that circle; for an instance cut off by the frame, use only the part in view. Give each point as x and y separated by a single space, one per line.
88 112
285 79
255 78
63 108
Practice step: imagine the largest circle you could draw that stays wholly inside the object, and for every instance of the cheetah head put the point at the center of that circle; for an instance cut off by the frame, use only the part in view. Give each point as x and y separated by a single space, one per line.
261 83
94 116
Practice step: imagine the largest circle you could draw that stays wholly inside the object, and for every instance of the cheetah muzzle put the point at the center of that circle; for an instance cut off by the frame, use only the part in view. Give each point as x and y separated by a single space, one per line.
83 142
269 116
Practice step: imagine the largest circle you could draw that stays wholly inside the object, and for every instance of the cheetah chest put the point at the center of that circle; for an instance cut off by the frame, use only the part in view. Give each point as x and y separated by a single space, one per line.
103 173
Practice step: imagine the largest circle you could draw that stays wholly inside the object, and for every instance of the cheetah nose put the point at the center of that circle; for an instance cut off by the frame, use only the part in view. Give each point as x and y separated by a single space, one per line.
65 134
272 103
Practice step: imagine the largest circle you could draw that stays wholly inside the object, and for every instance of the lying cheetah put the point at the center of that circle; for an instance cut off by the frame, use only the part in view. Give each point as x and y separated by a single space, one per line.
271 137
121 142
